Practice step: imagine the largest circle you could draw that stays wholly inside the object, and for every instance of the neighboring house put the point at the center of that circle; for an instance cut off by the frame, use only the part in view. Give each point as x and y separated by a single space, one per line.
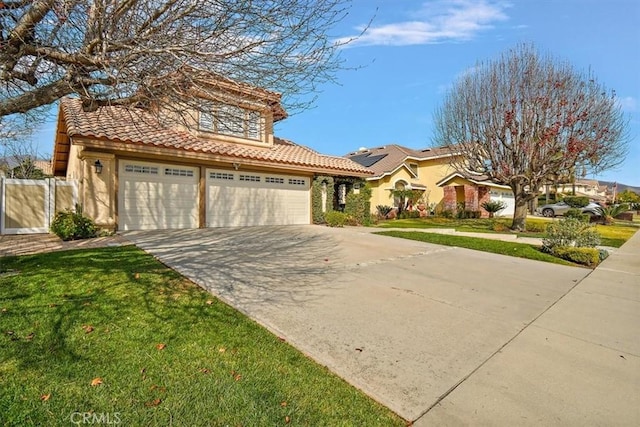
8 165
473 192
226 169
400 168
590 188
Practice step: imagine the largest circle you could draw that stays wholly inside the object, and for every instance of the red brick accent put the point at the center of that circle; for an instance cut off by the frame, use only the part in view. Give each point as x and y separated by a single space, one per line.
449 199
483 196
470 198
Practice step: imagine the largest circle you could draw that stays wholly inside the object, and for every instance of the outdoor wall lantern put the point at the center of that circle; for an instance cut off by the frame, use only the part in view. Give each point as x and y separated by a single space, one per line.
98 166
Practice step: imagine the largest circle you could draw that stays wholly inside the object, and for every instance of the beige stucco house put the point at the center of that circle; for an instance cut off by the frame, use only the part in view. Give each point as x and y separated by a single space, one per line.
224 168
400 168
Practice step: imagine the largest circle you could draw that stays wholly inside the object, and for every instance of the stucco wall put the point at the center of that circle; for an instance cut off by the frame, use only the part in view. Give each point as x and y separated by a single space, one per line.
429 173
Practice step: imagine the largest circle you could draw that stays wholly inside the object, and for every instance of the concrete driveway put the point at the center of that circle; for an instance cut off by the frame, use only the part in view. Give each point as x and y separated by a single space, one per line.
404 321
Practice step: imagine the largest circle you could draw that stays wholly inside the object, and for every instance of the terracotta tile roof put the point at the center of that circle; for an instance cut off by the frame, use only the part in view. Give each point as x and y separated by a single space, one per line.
132 126
387 158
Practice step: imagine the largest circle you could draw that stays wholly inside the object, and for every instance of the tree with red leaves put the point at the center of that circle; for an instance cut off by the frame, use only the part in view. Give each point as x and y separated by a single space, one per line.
526 120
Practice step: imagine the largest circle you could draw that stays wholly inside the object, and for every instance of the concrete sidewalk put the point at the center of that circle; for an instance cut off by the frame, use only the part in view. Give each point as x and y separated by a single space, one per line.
578 363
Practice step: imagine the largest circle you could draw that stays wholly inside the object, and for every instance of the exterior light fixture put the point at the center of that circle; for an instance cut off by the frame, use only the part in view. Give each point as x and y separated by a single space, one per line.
98 166
236 166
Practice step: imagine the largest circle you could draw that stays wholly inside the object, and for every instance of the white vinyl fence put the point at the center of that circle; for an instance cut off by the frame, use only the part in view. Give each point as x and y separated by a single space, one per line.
29 205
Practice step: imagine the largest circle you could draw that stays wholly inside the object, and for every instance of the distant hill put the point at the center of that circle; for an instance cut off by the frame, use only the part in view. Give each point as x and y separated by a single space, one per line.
621 187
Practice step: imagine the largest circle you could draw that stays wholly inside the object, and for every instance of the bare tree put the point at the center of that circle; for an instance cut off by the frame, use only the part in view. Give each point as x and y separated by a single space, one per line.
524 120
112 52
19 154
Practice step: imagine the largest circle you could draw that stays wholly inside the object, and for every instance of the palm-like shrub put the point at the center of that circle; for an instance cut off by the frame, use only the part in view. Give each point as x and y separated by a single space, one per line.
608 213
493 207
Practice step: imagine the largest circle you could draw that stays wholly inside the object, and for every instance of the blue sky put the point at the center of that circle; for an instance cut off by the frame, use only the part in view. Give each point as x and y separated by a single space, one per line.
414 50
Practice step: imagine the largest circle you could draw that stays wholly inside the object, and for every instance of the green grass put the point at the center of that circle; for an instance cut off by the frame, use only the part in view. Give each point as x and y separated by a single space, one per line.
614 235
479 225
218 367
519 250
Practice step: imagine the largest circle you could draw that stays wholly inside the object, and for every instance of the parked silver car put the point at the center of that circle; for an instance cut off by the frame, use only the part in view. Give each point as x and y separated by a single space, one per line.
561 208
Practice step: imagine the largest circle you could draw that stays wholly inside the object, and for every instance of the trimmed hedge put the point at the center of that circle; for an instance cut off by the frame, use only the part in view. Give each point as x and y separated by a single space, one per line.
576 201
336 218
585 256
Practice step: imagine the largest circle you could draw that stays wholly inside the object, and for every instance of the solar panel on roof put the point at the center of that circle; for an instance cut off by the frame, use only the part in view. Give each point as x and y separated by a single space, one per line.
368 160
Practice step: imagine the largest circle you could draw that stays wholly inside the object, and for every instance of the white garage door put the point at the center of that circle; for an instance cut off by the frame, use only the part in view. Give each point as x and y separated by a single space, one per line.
155 196
241 198
507 197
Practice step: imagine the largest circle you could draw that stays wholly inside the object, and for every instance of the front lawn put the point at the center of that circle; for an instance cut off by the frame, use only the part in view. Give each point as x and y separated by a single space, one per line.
519 250
613 235
113 336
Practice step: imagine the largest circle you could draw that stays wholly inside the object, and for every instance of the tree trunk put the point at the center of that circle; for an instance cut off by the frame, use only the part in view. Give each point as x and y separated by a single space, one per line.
519 215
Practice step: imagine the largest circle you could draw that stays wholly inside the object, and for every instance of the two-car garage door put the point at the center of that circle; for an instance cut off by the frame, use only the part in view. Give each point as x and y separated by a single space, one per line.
162 196
240 198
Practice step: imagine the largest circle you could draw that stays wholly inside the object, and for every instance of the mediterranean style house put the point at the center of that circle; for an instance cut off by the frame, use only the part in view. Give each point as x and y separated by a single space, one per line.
400 168
430 172
223 168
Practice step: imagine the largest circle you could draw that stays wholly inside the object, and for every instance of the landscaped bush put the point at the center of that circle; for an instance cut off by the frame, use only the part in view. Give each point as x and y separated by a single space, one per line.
446 214
577 214
317 210
336 218
383 211
69 225
467 214
358 206
576 201
493 207
569 232
608 213
409 214
585 256
536 226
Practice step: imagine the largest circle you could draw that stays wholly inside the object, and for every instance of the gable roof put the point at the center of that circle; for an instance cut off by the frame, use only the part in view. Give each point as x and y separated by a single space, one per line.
135 127
475 179
388 158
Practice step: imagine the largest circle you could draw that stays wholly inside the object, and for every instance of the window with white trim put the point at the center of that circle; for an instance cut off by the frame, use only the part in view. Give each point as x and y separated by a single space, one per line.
221 175
293 181
149 170
231 120
250 178
178 172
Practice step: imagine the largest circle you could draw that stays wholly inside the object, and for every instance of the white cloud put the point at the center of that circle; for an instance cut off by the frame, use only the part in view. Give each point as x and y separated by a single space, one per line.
437 22
628 104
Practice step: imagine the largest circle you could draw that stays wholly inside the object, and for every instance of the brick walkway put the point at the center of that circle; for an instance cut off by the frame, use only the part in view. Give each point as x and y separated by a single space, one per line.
27 244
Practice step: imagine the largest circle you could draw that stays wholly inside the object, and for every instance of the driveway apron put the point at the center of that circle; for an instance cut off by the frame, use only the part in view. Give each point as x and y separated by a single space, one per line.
404 321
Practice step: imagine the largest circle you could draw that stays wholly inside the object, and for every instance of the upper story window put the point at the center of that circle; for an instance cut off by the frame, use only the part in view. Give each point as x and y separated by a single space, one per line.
414 169
232 121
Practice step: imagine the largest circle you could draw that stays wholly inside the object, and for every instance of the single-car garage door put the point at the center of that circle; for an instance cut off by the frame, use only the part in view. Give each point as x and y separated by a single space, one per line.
243 198
157 196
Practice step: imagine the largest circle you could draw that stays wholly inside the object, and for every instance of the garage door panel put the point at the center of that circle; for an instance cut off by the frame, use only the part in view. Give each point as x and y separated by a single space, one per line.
157 196
248 198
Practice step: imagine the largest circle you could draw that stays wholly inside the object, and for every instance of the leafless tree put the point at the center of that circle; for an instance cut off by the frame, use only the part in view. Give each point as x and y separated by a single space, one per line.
19 154
130 52
525 119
